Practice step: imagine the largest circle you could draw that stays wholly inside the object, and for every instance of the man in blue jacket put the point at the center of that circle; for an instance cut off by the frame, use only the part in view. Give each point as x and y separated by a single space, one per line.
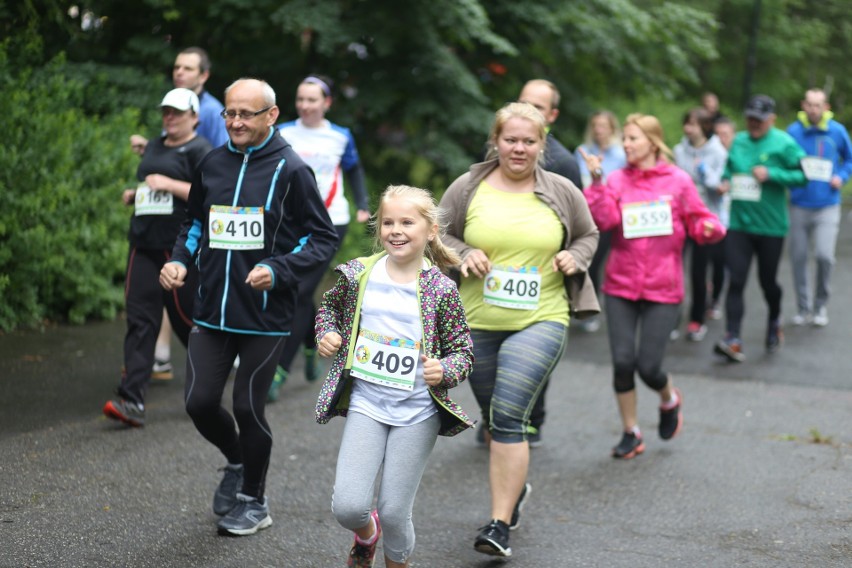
815 207
191 71
255 225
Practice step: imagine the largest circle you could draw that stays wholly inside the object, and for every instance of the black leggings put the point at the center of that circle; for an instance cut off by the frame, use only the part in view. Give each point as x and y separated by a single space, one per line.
702 256
595 269
209 360
739 248
654 322
144 300
599 260
302 327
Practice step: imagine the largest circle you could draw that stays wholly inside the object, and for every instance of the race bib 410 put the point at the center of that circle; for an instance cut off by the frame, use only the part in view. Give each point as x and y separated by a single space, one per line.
236 228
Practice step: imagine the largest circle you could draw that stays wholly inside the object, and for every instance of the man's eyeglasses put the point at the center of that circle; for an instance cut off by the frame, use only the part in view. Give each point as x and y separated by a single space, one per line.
228 114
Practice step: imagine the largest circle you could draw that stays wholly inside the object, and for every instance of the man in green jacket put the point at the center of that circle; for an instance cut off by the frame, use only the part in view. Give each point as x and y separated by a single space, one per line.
762 163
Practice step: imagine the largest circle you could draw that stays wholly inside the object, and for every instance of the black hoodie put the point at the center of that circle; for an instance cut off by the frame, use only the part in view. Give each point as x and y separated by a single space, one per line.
297 235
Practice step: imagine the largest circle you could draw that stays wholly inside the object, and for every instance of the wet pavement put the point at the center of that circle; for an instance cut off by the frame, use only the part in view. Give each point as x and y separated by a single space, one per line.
761 476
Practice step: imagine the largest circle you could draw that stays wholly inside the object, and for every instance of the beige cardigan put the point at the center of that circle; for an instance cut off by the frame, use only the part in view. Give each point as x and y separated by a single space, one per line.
563 197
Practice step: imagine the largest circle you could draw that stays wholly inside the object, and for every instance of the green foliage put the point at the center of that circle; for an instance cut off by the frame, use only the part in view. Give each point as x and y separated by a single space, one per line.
418 84
798 45
62 225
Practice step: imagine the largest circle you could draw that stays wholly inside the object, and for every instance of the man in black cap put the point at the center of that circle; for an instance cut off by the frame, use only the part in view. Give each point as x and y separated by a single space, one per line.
762 163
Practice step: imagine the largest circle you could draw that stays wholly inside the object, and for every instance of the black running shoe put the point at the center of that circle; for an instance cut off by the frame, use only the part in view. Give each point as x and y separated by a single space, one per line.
522 500
480 436
774 336
247 517
671 420
226 493
731 348
630 446
125 411
493 539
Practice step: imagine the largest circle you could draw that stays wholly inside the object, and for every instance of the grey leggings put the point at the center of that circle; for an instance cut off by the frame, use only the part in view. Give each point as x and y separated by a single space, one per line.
404 450
654 322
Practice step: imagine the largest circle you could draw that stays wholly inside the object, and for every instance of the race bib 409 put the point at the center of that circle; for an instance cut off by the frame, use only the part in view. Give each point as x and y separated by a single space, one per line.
386 361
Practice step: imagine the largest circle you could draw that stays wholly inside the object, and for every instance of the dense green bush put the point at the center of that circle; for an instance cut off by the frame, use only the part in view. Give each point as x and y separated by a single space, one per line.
63 228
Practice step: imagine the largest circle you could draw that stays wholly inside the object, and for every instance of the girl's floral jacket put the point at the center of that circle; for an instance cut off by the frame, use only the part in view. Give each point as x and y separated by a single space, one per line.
446 336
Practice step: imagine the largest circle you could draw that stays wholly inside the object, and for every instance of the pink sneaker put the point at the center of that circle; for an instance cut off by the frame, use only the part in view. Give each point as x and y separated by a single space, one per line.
364 555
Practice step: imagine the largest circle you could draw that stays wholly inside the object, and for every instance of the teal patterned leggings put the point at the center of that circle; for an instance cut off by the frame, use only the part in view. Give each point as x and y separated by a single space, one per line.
511 369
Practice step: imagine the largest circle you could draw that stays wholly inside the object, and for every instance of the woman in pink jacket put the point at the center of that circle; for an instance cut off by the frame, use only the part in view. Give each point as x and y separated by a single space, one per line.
650 206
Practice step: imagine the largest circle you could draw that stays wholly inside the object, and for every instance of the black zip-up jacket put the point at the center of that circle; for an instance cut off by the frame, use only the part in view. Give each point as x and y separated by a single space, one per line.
298 236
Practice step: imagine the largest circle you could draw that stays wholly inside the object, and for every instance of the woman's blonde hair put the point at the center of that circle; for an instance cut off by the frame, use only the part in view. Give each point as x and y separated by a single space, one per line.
436 251
615 137
651 127
516 110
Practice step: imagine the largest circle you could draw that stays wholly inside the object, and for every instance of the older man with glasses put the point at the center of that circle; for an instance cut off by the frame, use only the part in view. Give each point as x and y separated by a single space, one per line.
256 223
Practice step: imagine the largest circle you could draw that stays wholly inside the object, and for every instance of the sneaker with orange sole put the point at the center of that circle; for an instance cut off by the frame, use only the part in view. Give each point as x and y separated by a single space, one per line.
671 419
630 446
731 348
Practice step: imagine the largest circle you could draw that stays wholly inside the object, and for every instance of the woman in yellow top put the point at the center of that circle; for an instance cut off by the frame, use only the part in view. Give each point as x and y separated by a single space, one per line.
526 238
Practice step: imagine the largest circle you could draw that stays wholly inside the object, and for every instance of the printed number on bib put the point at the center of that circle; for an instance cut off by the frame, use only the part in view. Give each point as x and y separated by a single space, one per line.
236 228
516 288
152 202
386 361
817 169
646 219
745 188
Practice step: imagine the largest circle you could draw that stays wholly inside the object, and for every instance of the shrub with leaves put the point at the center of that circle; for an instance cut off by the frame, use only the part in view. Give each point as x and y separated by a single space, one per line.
63 227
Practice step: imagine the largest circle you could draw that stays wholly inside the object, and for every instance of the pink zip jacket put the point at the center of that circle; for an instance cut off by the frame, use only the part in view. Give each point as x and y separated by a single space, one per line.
649 268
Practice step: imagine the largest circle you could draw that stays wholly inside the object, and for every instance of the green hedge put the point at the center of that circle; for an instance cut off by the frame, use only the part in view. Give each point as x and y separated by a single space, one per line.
63 227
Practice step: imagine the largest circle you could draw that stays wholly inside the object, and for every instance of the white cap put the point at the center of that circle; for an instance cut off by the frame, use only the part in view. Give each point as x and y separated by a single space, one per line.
181 99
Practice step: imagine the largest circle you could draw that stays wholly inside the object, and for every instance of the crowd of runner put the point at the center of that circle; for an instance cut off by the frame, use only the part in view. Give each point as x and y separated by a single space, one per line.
237 217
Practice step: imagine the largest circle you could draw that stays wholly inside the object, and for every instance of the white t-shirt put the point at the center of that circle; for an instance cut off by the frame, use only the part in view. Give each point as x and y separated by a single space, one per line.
329 150
390 308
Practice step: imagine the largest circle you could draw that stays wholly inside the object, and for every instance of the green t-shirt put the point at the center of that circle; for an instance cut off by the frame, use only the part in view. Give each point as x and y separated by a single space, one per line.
761 209
520 234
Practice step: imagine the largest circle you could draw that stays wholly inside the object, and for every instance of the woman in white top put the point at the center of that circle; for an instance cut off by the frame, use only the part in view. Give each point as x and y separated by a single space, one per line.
330 151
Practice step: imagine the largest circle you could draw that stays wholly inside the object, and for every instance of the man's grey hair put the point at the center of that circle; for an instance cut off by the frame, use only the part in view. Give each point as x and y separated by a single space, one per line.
268 92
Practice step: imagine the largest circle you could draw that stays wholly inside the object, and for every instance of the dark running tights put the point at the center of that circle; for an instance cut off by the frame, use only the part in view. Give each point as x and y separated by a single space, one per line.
739 248
144 302
653 322
704 256
302 326
210 357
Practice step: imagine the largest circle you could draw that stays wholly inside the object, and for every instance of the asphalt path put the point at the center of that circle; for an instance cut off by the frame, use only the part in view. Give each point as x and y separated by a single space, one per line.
761 476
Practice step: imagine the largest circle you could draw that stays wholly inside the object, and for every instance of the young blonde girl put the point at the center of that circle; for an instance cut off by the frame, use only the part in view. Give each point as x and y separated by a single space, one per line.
396 328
